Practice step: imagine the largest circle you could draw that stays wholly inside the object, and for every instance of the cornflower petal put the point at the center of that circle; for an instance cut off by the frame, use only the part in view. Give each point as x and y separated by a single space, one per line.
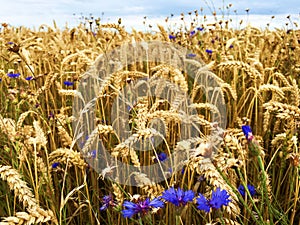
141 207
178 197
241 189
251 189
68 83
170 195
55 165
156 203
191 55
129 205
192 33
172 37
93 153
131 209
247 132
28 78
103 207
162 156
13 75
203 203
127 213
188 196
219 198
107 201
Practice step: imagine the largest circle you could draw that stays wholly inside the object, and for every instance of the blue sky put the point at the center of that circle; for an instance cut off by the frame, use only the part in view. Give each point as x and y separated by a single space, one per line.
32 13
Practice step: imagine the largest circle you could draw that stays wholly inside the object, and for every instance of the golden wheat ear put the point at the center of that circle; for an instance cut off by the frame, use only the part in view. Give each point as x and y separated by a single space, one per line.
64 155
35 213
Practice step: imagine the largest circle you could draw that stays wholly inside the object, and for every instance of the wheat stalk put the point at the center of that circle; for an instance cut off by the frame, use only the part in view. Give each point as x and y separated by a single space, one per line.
283 110
251 71
24 194
121 30
33 216
118 193
64 155
22 118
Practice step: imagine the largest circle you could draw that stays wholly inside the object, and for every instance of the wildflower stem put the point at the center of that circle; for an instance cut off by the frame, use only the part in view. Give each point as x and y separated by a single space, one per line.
241 199
140 220
178 220
265 190
220 216
296 197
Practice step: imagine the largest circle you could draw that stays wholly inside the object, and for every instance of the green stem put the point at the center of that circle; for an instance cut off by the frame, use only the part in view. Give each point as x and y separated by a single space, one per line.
241 199
140 220
265 193
178 220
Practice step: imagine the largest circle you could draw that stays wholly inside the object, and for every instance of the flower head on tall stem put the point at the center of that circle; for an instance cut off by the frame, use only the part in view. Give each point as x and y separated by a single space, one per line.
178 197
13 75
161 157
209 51
247 132
250 188
29 78
141 207
107 201
68 83
218 199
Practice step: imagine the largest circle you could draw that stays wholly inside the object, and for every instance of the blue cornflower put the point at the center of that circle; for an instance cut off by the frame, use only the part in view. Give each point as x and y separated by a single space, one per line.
203 204
209 51
172 37
251 189
141 207
191 55
200 28
178 197
247 132
218 199
162 157
192 33
231 46
68 83
107 201
10 43
13 75
55 165
0 79
28 78
92 154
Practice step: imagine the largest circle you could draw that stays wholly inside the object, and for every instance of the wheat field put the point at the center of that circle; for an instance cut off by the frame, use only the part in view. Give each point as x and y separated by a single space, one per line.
251 176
